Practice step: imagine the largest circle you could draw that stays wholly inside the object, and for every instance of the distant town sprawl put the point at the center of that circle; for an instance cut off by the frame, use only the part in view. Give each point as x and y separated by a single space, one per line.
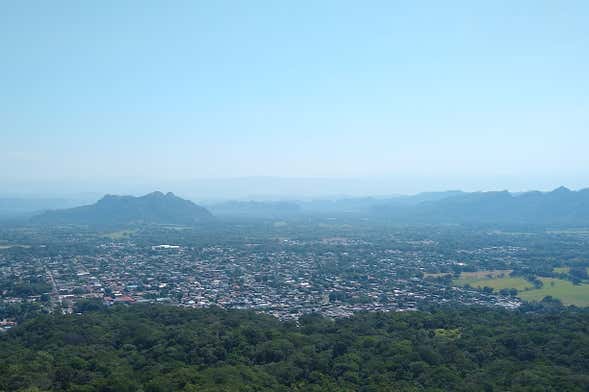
285 270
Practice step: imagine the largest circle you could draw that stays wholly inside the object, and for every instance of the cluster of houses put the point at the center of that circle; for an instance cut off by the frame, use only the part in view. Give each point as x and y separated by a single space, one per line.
286 278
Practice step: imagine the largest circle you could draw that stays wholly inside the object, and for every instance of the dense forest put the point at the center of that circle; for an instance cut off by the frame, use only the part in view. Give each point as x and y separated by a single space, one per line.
161 348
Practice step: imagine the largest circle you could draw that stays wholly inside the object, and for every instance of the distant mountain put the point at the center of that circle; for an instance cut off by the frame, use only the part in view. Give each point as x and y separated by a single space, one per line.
366 205
561 206
558 207
325 206
426 197
155 207
256 209
26 206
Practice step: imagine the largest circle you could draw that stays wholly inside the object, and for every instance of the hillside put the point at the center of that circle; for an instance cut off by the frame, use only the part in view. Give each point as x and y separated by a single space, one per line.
157 348
154 207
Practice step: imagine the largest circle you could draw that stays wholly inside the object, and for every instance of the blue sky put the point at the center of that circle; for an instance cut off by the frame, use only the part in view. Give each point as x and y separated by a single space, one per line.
465 94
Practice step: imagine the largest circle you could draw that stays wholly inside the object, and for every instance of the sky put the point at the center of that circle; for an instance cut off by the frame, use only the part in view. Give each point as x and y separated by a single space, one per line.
416 95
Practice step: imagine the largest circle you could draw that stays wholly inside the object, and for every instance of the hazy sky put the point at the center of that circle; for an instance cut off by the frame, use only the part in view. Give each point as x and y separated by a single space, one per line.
441 92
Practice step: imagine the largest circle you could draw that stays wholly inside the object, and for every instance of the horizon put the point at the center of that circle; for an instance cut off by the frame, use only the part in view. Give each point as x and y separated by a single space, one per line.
235 193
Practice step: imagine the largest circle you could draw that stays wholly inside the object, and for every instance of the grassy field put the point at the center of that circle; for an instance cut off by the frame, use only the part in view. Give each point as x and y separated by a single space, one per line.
505 283
119 235
561 270
485 274
474 278
496 279
436 275
564 270
564 290
498 283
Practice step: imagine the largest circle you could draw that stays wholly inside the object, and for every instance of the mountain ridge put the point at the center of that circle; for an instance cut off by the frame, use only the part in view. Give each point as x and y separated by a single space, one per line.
559 206
154 207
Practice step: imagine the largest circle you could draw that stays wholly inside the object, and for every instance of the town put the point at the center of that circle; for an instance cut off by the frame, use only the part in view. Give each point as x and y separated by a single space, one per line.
286 276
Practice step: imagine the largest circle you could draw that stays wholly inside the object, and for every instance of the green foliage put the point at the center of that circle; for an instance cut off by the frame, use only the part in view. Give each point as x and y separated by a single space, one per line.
16 287
159 348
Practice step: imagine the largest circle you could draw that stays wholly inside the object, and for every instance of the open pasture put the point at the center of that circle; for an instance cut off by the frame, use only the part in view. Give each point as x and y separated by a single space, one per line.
564 290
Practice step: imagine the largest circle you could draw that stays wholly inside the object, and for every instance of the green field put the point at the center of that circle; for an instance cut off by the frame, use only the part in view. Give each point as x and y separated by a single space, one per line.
469 277
564 290
436 275
496 279
564 270
119 235
496 283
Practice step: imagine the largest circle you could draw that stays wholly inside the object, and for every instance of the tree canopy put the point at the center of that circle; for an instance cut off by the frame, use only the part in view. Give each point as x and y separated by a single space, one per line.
162 348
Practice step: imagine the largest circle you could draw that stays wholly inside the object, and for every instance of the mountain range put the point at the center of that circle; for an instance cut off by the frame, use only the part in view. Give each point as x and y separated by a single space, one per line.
155 207
256 209
560 206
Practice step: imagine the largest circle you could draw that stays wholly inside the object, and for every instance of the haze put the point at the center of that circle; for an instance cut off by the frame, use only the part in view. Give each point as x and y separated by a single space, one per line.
364 98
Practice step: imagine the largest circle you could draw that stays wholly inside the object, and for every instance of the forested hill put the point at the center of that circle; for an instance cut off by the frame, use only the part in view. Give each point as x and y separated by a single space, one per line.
156 348
154 207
